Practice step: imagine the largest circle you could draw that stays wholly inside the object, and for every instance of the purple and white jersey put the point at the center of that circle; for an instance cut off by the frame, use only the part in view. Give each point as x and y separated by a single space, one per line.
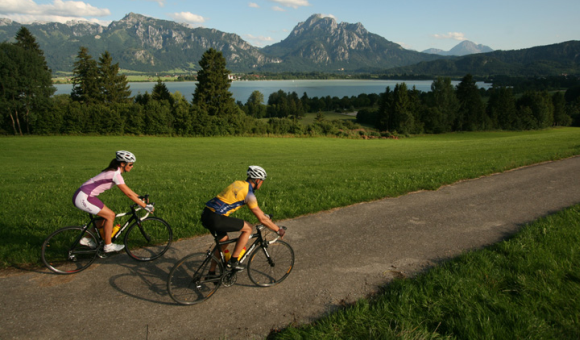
101 182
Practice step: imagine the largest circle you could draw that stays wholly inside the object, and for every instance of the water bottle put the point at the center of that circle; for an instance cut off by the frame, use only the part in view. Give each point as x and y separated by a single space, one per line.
227 255
242 253
115 230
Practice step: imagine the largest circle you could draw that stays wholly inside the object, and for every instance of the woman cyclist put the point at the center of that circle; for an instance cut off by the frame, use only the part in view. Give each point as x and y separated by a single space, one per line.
85 198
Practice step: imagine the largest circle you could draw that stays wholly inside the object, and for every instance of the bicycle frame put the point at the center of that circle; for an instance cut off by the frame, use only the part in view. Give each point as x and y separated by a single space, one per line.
260 241
95 219
134 217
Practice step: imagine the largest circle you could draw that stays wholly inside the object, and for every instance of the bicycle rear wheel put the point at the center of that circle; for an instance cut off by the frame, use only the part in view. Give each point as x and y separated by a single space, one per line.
148 241
189 281
271 265
63 254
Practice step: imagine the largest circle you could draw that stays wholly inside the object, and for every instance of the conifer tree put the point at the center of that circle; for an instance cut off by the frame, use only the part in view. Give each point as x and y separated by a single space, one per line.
160 92
212 93
114 87
501 109
384 115
471 114
26 85
86 87
445 104
402 117
27 41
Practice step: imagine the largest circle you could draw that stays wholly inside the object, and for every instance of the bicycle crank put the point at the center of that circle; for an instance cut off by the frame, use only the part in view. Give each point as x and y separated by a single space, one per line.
229 279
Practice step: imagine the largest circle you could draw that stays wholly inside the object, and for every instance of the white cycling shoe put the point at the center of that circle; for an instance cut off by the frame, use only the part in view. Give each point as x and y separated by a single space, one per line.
87 242
111 248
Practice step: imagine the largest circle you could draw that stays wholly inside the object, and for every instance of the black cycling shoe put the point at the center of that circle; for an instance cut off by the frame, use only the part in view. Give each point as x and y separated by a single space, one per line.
235 265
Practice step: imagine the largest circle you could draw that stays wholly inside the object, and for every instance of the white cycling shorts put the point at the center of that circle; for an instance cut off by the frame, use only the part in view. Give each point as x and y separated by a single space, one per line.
92 205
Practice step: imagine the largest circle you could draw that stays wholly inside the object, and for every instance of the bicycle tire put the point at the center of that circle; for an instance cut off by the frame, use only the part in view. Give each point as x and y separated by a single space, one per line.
148 241
61 255
264 273
188 282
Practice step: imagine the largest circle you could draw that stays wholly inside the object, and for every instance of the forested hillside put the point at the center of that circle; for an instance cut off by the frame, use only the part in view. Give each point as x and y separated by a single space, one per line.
563 58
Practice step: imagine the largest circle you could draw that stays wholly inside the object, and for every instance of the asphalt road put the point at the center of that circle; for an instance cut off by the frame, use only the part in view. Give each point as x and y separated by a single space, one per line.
341 255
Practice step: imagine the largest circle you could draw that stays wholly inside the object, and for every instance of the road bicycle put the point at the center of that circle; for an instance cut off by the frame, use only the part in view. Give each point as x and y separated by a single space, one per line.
269 263
147 238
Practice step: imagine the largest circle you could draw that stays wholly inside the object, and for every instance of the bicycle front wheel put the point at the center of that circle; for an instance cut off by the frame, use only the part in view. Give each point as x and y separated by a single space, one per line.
149 240
271 265
63 253
190 282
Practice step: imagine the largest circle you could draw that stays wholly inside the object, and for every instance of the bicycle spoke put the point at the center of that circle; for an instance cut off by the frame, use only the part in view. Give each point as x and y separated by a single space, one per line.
149 240
64 254
190 282
270 266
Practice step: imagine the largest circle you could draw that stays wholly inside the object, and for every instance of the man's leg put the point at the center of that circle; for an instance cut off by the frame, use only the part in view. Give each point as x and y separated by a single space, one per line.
246 232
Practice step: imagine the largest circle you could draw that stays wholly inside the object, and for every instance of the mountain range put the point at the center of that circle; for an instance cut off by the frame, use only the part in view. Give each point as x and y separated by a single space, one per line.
319 44
465 47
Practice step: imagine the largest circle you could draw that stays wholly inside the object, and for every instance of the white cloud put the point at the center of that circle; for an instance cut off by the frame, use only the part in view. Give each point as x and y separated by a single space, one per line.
27 11
257 41
161 3
327 16
253 5
292 3
451 35
188 17
278 9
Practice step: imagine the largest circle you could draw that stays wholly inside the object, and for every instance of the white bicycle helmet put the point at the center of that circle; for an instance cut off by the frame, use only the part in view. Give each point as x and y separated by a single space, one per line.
257 172
125 156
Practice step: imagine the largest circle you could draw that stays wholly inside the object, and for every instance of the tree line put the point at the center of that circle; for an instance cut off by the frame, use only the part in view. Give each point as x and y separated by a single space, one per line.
447 109
100 102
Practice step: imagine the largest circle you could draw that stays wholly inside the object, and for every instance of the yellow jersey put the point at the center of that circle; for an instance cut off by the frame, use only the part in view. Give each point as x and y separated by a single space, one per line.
232 198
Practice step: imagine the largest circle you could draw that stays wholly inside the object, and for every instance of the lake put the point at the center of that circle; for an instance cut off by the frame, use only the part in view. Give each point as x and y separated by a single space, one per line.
242 90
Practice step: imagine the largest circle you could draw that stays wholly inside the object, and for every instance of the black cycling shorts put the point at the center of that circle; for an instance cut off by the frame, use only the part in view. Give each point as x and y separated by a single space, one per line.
220 225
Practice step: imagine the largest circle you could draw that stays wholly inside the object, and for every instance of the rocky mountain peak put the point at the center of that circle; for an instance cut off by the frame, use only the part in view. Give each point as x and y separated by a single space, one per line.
5 22
316 22
326 43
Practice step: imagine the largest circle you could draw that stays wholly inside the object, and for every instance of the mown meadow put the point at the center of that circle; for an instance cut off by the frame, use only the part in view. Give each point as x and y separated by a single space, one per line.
40 174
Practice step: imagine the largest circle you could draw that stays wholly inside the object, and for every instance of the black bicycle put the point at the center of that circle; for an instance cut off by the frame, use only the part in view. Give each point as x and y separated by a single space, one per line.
72 249
269 263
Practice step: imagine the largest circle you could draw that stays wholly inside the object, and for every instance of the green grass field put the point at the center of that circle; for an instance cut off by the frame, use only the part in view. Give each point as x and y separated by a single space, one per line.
40 174
527 287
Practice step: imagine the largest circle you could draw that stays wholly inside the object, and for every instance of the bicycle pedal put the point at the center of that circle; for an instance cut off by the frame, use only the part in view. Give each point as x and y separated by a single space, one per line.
102 255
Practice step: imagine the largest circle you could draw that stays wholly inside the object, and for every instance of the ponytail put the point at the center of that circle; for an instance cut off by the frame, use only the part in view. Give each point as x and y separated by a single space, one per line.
113 166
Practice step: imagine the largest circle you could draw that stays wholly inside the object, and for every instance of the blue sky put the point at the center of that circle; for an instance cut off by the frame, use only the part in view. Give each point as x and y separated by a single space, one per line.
414 24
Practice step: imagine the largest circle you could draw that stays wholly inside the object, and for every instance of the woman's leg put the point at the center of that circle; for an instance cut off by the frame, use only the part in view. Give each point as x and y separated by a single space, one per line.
109 217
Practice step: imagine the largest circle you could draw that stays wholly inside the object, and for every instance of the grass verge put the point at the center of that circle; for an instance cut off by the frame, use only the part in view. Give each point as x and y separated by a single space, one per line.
527 287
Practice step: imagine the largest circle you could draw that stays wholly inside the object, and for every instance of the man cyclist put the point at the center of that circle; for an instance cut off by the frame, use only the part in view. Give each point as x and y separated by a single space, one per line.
215 216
